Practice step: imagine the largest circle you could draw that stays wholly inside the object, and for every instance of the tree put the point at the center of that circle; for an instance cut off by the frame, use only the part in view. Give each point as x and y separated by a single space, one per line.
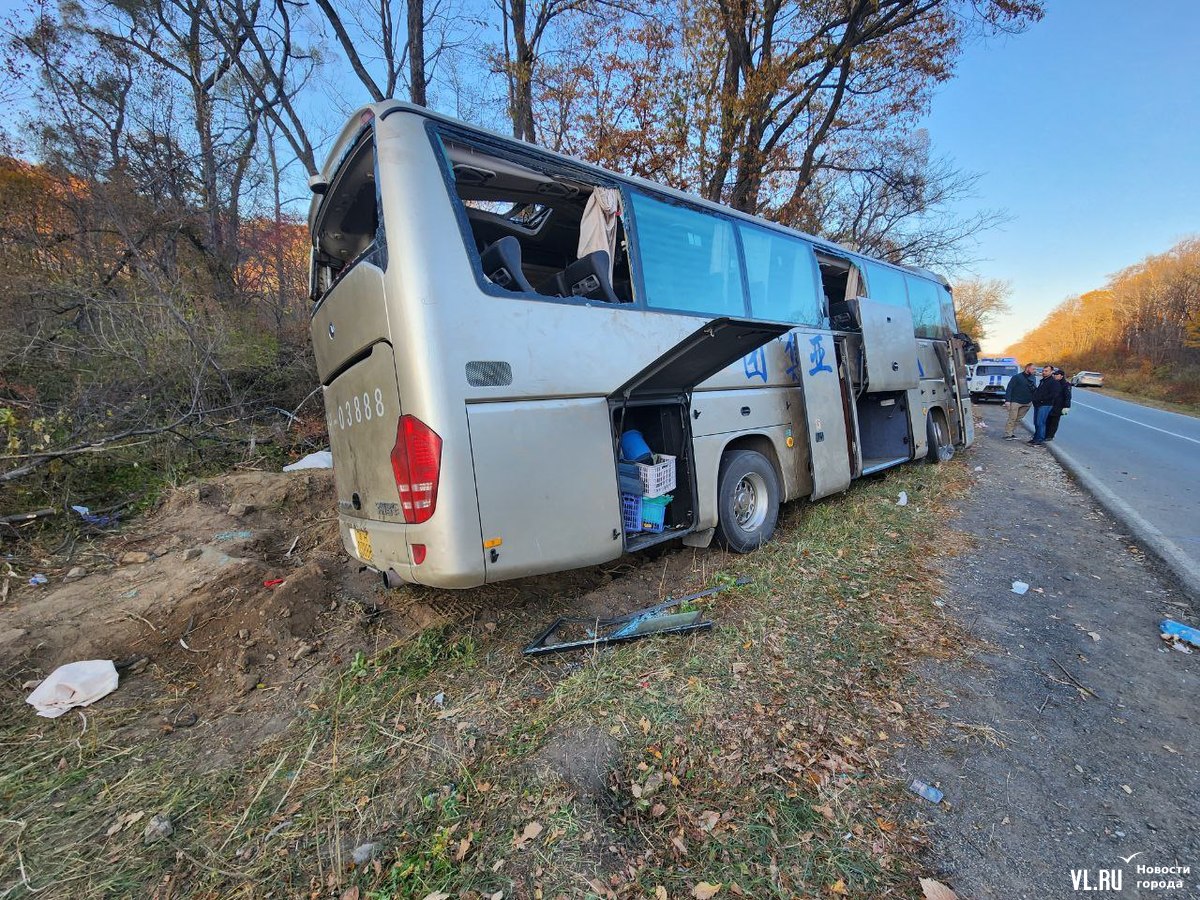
978 301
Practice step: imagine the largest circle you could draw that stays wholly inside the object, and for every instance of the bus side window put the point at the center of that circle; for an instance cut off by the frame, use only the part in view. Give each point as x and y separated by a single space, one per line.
887 285
689 259
926 308
782 274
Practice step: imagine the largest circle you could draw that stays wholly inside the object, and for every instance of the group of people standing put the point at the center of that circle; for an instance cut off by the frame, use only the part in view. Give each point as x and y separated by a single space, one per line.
1050 398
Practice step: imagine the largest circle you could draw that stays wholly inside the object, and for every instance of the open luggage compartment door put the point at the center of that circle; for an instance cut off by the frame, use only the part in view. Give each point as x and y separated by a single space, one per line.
657 403
698 357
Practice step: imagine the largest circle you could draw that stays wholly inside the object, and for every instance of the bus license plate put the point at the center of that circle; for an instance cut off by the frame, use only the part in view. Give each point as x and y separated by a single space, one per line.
362 543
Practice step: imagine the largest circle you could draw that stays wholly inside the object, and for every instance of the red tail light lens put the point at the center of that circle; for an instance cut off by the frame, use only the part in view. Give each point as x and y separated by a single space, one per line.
417 465
418 554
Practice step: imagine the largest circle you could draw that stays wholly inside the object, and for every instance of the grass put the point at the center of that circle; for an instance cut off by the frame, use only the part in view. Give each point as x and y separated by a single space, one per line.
754 757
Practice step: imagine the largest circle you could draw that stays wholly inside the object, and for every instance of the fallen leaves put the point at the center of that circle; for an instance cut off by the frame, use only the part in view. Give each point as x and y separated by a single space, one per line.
124 821
704 890
531 831
935 890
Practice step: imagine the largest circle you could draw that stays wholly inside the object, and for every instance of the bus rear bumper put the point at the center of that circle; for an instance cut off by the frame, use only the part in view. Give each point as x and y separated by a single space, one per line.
387 548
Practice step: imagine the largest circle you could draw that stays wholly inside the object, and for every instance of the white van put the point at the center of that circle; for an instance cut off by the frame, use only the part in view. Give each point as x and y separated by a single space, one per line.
988 378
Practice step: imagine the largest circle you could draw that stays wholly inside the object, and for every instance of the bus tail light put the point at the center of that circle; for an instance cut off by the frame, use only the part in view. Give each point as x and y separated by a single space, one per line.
417 466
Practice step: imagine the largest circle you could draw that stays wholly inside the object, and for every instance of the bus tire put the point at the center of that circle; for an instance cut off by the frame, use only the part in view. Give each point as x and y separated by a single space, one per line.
937 434
747 500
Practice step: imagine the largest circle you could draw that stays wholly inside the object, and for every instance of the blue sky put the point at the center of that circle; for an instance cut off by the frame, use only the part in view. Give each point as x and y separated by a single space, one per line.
1086 129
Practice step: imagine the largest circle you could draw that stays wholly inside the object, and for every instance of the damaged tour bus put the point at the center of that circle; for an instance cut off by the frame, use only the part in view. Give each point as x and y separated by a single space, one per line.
531 364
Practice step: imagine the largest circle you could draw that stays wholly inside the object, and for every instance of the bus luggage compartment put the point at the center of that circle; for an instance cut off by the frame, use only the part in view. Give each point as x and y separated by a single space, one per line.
657 403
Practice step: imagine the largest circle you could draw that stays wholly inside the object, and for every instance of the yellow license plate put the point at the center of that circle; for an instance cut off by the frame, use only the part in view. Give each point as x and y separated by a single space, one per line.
362 543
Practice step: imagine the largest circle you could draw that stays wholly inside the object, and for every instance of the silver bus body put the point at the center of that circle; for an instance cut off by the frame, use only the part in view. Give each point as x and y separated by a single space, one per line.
474 428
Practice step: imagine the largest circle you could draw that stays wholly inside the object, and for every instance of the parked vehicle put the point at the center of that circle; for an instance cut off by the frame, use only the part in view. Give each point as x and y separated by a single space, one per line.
493 321
1087 379
989 377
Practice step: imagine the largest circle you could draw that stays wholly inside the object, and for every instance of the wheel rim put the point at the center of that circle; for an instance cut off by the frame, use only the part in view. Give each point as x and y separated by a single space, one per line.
750 502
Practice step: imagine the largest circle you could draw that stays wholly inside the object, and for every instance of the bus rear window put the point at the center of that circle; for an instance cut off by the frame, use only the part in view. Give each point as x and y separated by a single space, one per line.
348 224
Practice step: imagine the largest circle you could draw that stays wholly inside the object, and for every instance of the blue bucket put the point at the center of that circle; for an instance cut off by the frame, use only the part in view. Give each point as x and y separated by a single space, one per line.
635 448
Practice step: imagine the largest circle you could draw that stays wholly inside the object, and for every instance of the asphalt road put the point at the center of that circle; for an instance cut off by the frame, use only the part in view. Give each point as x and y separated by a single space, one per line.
1144 465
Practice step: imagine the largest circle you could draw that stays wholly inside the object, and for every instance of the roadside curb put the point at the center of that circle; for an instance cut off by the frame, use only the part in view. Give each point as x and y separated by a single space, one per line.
1187 571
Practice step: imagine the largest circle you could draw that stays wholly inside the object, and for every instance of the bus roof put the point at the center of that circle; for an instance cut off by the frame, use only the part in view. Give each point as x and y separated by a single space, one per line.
384 108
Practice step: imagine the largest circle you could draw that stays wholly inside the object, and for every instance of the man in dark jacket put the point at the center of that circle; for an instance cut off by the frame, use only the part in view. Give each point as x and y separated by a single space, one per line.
1051 392
1057 412
1018 397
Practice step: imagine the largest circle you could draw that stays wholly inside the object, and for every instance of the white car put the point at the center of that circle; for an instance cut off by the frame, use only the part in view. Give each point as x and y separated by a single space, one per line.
1087 379
989 377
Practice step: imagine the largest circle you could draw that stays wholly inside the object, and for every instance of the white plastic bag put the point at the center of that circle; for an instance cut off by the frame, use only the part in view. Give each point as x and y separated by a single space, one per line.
75 684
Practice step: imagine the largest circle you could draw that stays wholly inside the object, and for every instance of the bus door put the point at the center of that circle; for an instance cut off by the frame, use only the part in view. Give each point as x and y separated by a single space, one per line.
830 428
889 345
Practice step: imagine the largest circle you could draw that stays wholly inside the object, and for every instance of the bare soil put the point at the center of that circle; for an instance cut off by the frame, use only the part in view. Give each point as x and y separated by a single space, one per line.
1070 739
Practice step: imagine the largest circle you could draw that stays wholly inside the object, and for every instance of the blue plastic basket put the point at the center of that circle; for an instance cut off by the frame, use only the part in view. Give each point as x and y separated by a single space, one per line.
631 511
654 512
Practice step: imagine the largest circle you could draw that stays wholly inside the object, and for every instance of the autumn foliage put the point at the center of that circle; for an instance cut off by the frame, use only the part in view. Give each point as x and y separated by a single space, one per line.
1142 329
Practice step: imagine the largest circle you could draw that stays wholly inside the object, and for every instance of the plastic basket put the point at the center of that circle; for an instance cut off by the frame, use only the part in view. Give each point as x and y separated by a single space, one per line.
659 477
631 511
654 512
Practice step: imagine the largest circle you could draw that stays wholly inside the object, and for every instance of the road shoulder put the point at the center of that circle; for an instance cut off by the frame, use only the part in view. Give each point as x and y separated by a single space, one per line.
1068 738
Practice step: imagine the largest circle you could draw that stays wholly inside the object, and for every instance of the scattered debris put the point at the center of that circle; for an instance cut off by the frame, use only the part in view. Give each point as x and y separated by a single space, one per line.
928 791
37 579
1020 588
99 520
273 582
1176 632
241 535
134 558
158 829
979 468
75 684
630 627
363 853
322 459
902 500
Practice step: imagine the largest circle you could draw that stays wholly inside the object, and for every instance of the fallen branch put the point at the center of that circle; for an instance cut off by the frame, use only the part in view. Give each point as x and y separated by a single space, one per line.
1075 681
27 517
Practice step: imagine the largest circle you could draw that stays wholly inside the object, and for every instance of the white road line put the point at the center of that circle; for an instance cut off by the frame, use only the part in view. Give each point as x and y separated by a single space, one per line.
1135 422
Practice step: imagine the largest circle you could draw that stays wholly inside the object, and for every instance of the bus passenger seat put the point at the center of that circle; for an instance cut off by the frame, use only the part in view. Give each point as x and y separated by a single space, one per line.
586 277
502 265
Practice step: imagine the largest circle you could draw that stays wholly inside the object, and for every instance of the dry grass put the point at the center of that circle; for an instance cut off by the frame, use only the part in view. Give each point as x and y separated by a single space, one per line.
755 757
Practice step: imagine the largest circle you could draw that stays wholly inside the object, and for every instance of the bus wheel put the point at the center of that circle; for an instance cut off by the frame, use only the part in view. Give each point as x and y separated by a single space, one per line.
747 500
941 447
